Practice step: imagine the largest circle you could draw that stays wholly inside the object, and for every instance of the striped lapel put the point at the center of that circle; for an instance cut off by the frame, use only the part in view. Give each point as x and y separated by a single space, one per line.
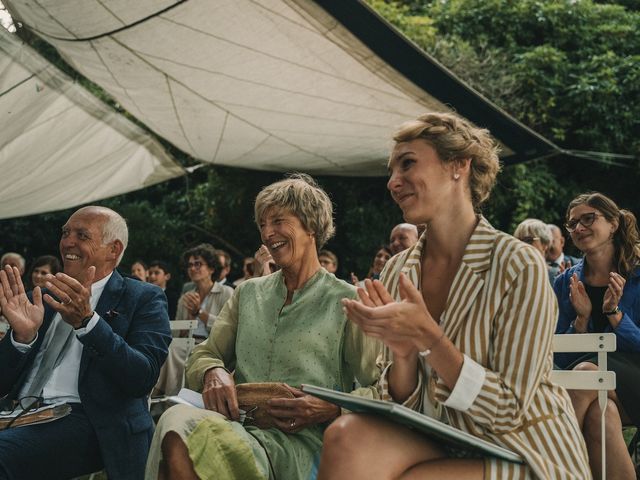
469 279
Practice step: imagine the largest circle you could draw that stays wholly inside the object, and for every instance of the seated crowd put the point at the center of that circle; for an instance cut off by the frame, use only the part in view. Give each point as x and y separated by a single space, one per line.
454 320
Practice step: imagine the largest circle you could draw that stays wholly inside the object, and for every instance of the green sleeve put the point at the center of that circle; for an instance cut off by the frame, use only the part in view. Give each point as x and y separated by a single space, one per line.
219 349
360 355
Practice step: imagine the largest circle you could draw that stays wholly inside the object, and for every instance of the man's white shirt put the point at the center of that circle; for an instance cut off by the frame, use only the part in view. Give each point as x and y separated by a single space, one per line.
63 384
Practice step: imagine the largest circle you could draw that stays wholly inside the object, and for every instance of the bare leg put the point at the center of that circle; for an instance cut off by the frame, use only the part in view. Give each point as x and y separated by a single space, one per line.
582 399
176 464
362 446
450 468
619 464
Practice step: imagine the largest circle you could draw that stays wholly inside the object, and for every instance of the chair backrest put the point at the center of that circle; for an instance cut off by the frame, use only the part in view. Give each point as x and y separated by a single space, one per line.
188 326
601 379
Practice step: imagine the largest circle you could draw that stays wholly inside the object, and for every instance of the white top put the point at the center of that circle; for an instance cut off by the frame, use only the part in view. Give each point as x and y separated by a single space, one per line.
63 384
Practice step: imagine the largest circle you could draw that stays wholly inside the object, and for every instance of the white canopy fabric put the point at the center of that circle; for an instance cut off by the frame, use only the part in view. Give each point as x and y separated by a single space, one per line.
264 84
59 145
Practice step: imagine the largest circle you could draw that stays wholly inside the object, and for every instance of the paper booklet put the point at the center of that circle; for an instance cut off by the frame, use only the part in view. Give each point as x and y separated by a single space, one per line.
47 413
187 397
191 397
415 420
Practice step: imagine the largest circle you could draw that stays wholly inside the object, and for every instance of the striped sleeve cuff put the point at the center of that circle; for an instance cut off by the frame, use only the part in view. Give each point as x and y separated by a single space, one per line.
468 386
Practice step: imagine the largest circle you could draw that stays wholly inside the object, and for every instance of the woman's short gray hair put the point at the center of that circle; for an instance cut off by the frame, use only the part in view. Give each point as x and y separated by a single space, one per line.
300 195
532 227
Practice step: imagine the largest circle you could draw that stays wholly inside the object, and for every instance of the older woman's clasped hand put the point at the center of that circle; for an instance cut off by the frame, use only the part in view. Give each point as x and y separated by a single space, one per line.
293 414
406 327
219 393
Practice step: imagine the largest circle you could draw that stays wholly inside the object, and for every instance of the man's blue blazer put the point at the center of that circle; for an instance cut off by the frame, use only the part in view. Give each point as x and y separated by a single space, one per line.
120 364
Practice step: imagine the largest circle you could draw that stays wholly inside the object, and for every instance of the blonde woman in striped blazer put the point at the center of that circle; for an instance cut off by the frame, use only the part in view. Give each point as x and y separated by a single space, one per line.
467 316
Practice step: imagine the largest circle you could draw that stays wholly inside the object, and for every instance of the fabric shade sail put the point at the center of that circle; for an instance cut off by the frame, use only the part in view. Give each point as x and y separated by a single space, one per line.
59 145
272 84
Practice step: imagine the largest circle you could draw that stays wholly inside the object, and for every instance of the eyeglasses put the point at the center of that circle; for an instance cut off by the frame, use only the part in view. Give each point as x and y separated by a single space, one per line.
529 240
586 220
197 265
26 404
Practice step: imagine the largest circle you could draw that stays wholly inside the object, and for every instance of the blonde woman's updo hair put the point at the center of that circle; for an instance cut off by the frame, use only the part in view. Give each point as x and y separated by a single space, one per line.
454 138
300 195
626 239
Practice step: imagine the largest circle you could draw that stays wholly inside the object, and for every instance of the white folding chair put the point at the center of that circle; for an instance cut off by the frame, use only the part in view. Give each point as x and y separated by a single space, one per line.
601 380
180 343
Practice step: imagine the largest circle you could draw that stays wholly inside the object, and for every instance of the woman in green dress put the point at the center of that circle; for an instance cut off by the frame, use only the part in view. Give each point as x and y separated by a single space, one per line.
285 327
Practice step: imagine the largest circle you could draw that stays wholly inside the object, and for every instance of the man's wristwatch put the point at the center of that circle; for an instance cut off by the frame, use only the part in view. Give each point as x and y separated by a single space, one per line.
85 322
615 311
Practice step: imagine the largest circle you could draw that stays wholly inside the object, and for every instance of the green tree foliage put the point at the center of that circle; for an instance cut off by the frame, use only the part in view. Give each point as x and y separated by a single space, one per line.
568 69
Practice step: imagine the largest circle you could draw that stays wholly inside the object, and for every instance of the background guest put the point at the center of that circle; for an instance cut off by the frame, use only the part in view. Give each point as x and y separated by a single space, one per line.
536 233
225 267
207 297
403 236
557 260
139 270
328 260
383 254
43 266
159 274
13 259
247 271
602 294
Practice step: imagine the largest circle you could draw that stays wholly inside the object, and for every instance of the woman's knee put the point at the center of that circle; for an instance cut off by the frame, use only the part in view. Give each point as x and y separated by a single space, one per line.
585 367
593 418
342 429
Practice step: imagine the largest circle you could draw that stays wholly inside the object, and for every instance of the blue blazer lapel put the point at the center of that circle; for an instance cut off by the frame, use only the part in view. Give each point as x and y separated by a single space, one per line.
113 291
108 303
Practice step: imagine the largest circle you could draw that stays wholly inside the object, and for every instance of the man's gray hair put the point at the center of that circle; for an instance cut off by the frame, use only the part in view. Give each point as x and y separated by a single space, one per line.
410 227
20 258
554 228
534 228
114 227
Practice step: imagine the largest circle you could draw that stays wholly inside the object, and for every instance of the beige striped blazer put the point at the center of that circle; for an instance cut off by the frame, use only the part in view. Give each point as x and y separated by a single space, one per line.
501 314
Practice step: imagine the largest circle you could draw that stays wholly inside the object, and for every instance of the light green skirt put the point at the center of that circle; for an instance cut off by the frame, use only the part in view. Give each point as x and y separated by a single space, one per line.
223 449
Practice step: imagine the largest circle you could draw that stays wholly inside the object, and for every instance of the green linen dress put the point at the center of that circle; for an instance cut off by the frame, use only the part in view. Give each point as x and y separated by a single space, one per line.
263 340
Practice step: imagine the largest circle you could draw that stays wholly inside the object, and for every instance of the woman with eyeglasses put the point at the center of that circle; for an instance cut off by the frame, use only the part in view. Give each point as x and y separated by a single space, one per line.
602 294
206 299
202 302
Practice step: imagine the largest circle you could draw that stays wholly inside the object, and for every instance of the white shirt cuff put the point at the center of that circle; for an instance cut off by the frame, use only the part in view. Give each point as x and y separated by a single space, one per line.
92 323
467 387
23 347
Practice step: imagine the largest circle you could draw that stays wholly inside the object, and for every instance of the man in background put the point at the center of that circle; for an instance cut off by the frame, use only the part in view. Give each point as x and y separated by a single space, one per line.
15 260
160 275
403 236
328 260
557 261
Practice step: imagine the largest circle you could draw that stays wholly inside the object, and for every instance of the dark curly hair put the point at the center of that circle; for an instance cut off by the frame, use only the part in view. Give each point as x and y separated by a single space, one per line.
208 253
